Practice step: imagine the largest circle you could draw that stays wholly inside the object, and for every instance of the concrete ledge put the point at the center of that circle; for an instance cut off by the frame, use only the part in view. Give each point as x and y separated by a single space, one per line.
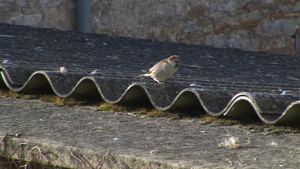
74 157
80 137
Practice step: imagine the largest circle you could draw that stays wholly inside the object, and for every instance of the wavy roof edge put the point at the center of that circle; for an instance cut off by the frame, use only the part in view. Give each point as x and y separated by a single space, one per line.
240 105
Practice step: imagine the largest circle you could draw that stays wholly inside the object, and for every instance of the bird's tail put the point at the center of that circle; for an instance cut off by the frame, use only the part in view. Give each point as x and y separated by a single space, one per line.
145 74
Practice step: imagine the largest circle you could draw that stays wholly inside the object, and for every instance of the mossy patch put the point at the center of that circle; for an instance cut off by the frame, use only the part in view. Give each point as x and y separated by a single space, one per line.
111 107
61 101
43 97
268 129
216 121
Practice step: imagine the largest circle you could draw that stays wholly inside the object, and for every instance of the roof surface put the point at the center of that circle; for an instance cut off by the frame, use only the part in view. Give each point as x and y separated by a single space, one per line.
218 81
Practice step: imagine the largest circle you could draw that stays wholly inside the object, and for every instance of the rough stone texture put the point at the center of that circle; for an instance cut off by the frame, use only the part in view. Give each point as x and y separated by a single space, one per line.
250 25
68 135
58 14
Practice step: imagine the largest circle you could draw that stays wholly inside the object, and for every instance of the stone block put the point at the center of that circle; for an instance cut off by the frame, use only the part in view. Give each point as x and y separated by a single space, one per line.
279 27
8 8
217 40
243 39
250 17
296 7
280 45
33 19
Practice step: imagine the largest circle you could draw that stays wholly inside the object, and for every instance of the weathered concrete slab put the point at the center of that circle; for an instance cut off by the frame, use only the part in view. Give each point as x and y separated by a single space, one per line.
70 136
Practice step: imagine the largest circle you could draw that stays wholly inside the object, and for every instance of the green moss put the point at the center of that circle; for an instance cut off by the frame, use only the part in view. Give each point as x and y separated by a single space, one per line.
268 129
111 107
216 121
156 113
43 97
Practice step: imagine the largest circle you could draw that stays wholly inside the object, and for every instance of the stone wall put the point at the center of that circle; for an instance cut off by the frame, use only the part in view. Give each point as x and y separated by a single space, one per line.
58 14
255 25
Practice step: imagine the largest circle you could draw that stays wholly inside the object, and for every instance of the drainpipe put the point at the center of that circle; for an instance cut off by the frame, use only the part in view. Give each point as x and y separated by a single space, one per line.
297 44
84 16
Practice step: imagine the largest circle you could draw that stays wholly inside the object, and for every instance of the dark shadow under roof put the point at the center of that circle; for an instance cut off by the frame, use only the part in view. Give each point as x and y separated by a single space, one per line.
220 81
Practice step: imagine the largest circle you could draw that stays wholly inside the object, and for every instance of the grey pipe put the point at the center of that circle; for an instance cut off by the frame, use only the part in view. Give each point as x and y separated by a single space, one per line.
84 16
297 44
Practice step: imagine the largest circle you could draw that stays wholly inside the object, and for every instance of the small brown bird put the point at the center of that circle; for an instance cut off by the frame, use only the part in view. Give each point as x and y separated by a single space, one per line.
164 69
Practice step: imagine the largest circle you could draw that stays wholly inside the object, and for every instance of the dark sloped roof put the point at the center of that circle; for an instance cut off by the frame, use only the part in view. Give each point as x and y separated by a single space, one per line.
220 81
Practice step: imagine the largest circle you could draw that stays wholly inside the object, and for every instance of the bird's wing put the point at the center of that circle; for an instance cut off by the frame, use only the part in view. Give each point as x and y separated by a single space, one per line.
145 74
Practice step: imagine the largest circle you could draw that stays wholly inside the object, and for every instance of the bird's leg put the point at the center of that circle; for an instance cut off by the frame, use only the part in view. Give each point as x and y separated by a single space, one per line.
160 82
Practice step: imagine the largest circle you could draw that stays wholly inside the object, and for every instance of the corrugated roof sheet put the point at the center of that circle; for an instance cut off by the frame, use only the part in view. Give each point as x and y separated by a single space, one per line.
220 81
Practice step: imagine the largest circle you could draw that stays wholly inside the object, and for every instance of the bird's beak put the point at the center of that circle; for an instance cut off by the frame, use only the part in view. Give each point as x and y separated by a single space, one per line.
177 58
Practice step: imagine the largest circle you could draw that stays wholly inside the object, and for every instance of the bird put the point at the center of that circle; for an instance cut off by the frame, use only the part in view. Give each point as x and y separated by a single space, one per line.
163 69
